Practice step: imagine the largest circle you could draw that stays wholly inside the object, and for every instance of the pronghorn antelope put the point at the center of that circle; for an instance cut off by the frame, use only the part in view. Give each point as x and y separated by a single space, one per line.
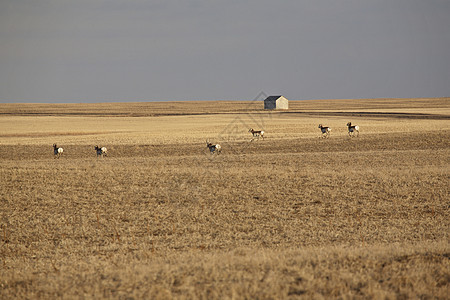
58 151
325 131
256 134
213 148
352 129
101 151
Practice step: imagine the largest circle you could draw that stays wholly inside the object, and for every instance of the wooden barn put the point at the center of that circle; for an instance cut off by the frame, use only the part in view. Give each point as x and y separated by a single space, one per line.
276 102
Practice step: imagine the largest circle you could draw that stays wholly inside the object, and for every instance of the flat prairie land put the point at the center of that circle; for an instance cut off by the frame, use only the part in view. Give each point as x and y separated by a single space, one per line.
292 216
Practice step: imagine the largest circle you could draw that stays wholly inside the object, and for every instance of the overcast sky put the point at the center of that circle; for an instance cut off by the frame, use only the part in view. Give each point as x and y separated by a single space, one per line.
171 50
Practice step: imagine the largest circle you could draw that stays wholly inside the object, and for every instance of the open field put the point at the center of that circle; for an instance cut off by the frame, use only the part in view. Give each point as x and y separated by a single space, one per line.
291 216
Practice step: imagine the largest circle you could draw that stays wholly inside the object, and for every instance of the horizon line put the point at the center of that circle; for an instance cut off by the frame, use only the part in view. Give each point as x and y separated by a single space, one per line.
223 100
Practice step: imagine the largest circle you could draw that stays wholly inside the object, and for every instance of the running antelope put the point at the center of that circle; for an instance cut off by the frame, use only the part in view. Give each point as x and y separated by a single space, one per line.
256 134
58 151
352 129
325 131
101 151
213 148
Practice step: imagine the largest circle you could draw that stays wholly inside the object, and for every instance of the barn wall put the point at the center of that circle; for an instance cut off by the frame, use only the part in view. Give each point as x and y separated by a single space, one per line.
269 104
282 103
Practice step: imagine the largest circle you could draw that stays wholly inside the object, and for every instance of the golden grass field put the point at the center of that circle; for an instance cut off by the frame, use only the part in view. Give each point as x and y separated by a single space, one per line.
291 216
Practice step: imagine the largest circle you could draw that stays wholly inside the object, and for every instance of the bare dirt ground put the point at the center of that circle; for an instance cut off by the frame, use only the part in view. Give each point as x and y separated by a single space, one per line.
291 216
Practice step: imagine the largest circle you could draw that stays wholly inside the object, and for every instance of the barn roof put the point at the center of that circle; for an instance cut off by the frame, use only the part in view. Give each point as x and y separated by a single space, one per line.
273 98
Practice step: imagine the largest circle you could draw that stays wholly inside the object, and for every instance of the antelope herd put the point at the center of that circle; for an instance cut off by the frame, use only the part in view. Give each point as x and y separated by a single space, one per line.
353 130
58 151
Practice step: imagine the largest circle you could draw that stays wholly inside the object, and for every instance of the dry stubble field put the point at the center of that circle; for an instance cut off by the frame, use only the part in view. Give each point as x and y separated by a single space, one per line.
293 216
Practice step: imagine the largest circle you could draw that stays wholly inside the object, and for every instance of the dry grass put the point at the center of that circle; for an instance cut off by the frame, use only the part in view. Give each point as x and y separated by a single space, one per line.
293 216
437 106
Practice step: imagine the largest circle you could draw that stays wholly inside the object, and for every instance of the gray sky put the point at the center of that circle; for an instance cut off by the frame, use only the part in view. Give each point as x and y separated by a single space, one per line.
171 50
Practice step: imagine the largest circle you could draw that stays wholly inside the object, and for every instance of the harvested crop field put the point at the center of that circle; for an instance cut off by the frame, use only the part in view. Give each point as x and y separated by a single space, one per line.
292 216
